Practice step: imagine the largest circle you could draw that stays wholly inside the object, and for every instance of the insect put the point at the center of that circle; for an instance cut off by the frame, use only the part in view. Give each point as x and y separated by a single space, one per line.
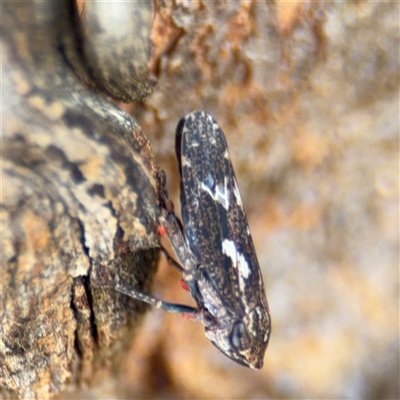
214 246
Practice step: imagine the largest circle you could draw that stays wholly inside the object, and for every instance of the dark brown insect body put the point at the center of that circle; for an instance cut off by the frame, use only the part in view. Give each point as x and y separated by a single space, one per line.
214 246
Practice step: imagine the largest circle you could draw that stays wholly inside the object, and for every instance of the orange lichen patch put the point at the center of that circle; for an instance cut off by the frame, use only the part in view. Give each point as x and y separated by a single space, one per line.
240 27
37 232
52 111
288 13
200 50
138 227
309 150
37 246
93 168
164 35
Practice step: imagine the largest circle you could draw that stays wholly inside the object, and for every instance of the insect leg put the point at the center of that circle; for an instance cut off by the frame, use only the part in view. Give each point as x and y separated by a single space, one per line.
171 260
161 304
173 232
187 311
171 228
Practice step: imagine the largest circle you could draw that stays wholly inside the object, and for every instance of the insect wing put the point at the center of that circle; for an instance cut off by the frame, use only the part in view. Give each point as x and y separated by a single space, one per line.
215 224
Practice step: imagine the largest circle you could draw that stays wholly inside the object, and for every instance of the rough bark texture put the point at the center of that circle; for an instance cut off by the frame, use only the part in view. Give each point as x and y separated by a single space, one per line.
79 200
307 95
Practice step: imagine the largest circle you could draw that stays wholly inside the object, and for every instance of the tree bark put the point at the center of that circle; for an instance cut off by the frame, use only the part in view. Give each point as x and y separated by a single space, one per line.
307 96
79 193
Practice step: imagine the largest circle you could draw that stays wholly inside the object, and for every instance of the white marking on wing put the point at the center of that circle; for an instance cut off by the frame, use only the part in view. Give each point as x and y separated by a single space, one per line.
238 260
266 335
237 193
243 267
229 248
186 162
221 195
203 186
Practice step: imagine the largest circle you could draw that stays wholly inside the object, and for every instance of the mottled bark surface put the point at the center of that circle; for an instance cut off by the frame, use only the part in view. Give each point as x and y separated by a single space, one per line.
307 95
79 200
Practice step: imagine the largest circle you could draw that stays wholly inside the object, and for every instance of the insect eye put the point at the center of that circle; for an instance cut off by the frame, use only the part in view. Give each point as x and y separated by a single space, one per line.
239 336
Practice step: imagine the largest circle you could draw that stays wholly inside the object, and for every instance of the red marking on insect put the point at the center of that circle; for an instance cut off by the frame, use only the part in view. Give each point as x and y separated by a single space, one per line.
161 231
188 316
184 285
